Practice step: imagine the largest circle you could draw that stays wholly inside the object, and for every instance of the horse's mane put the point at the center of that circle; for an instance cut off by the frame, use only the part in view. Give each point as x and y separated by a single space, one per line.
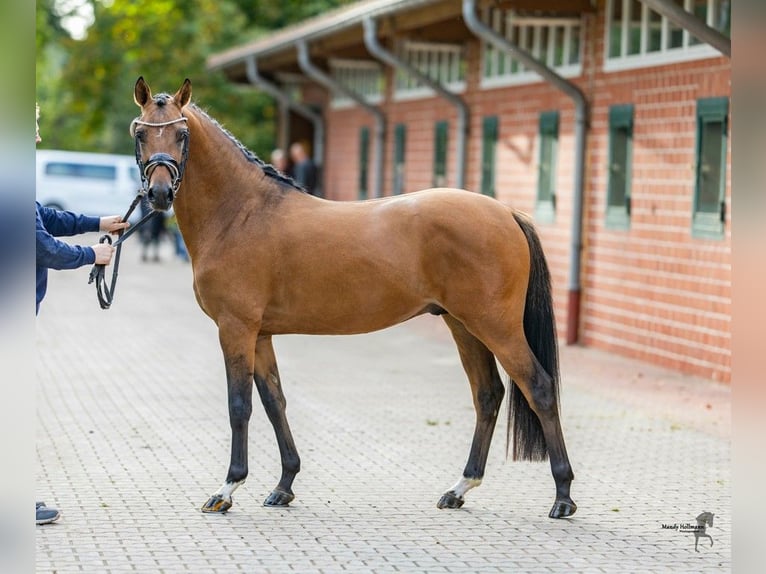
267 168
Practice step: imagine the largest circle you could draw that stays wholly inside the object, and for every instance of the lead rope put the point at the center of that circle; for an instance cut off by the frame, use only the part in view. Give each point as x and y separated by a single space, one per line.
105 293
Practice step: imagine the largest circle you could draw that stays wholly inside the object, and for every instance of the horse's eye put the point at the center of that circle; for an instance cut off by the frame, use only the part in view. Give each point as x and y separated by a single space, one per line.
141 136
182 135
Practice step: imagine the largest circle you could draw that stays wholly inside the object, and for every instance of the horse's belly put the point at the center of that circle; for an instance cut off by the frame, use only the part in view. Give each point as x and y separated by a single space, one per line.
339 317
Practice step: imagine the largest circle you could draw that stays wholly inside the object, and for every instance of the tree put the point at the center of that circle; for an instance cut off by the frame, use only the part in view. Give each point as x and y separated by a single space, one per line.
85 86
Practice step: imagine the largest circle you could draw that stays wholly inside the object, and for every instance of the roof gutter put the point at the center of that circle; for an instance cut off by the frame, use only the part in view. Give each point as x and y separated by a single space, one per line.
255 78
692 24
581 121
319 76
376 49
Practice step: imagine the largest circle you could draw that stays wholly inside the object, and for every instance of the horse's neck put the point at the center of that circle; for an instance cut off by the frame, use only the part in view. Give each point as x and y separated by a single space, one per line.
215 172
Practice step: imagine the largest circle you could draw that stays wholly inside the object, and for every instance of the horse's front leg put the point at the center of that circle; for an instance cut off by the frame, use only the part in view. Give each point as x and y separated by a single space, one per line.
270 390
238 345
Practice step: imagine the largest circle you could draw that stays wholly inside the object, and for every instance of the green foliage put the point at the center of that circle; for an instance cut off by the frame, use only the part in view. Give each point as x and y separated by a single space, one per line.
48 27
85 87
274 14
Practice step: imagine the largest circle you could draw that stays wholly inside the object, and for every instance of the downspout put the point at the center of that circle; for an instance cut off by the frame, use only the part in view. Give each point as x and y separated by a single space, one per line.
319 76
581 126
376 49
255 78
692 24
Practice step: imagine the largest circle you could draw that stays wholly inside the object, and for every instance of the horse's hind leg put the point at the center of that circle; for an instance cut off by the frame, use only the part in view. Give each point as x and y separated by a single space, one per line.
539 393
270 389
487 389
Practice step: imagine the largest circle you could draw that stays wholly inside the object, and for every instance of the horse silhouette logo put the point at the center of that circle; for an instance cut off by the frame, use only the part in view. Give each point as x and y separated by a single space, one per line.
700 529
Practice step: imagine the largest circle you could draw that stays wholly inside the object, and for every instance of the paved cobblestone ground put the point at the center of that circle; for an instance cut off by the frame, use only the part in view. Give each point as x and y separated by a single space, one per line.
133 436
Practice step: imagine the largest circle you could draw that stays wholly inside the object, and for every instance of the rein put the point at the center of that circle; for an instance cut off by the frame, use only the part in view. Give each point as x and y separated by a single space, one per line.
105 293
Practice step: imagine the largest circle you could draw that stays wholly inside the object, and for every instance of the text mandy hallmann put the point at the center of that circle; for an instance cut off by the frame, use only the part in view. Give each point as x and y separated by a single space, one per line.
684 527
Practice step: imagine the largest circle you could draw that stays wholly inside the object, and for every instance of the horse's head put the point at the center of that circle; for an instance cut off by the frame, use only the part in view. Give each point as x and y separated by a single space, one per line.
162 140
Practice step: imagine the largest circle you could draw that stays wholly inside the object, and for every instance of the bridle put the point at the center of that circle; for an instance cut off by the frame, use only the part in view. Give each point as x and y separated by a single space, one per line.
98 272
160 159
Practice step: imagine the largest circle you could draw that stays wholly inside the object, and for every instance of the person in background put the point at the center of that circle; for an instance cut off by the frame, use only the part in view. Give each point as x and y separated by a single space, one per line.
51 253
304 169
280 161
151 233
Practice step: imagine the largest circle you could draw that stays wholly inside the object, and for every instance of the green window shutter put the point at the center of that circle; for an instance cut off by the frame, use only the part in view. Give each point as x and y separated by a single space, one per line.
710 171
440 154
400 141
545 208
364 156
620 166
488 155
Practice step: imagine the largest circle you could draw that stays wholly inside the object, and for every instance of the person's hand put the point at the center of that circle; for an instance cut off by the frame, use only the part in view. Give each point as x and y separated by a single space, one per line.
112 224
104 252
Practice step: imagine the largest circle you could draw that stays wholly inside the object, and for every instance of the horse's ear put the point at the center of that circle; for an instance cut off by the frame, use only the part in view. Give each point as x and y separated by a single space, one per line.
183 95
141 93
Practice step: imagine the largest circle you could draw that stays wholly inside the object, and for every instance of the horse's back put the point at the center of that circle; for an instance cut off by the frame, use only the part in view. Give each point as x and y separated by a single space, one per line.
449 244
455 224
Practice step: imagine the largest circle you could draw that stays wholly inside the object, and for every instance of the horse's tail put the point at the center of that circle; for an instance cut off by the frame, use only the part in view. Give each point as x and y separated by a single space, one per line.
540 332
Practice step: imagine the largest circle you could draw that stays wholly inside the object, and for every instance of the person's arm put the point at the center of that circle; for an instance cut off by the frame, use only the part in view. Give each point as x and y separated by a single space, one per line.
65 223
55 254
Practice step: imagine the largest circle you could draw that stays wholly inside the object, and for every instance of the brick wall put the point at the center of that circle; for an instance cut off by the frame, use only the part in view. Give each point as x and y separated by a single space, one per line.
652 291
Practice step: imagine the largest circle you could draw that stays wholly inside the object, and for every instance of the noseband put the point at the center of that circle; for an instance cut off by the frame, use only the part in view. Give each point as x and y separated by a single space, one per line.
160 159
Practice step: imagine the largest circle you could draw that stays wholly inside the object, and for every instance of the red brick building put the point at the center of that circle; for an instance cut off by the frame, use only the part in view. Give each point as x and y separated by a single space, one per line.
642 191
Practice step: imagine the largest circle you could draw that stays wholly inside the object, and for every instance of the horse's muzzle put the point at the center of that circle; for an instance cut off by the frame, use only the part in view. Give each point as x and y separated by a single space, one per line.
160 196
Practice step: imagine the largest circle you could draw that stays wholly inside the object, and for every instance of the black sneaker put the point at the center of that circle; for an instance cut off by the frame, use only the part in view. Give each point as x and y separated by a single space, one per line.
45 515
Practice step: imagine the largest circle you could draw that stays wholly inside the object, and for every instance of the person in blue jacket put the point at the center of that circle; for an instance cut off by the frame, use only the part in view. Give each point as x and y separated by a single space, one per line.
53 253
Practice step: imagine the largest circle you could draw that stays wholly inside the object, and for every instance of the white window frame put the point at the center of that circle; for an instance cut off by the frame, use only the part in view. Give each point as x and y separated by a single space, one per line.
687 51
504 22
431 59
365 77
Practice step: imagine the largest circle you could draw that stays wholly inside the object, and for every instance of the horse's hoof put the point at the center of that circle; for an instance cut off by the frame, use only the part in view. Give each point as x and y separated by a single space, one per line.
217 503
450 500
278 497
563 508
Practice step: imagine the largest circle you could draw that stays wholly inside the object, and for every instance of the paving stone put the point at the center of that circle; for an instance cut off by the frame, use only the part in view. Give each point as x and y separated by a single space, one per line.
133 437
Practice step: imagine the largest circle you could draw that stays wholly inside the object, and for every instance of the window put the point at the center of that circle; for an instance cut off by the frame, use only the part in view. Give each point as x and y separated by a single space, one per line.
545 208
400 141
440 154
89 171
443 63
488 155
620 154
554 41
363 77
638 36
710 177
364 162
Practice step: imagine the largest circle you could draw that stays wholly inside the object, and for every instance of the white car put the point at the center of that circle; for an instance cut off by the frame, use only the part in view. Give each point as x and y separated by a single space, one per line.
88 183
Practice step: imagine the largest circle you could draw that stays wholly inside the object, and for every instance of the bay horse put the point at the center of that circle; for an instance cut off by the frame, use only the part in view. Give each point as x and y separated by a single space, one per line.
269 259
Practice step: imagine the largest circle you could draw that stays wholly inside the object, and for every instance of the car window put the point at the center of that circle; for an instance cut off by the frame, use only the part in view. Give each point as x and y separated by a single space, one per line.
90 171
134 175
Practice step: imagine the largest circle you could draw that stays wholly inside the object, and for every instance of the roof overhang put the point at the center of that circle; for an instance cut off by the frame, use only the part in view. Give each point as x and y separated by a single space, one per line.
339 33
